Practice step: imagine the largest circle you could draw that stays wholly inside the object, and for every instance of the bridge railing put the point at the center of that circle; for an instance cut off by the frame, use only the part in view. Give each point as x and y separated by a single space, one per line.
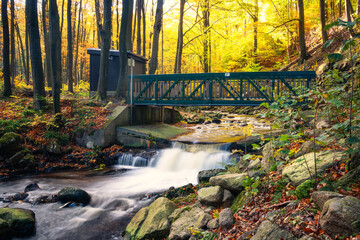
243 88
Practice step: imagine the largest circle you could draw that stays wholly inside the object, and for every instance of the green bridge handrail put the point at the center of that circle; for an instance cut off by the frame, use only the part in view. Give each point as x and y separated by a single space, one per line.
239 88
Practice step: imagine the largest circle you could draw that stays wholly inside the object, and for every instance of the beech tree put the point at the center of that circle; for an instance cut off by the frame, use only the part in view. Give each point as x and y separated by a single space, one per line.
12 41
124 46
55 54
323 20
35 53
179 47
70 49
302 44
105 33
153 63
6 49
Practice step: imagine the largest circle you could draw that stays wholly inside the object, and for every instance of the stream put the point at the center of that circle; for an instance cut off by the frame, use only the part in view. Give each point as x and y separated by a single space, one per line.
133 183
115 198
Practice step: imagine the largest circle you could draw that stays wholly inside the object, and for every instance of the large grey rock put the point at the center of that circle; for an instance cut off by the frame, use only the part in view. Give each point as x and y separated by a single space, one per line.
231 182
226 218
205 175
194 218
71 194
211 196
21 221
306 147
321 197
10 143
298 171
227 199
151 222
341 216
269 231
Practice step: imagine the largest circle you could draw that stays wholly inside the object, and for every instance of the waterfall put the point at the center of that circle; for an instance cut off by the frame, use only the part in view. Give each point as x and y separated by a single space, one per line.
180 157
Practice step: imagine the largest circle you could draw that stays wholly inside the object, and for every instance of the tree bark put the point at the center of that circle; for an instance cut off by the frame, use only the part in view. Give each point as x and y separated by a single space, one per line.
206 33
153 63
55 54
124 45
12 42
6 49
138 34
105 48
302 44
358 7
98 20
349 12
35 53
46 42
144 31
69 49
27 73
20 43
179 47
77 43
323 21
255 29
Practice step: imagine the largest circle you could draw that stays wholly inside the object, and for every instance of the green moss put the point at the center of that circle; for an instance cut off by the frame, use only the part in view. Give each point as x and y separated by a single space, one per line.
240 201
21 221
162 131
302 191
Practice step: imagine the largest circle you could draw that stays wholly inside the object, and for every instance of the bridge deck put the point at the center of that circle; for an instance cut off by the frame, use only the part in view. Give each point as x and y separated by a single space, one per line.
242 89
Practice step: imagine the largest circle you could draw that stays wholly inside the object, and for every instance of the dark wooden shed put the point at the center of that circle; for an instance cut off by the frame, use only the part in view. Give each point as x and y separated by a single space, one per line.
140 68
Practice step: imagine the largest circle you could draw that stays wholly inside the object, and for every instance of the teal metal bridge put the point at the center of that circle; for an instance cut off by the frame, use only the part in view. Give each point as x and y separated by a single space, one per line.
230 89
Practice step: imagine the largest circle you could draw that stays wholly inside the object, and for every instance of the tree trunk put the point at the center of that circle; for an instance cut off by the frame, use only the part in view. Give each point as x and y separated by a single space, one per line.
153 63
179 46
35 54
46 42
6 49
12 42
302 44
98 21
105 47
20 43
117 23
349 12
144 31
62 17
255 29
69 49
206 30
358 8
323 21
27 73
124 45
138 34
129 29
77 43
340 8
55 54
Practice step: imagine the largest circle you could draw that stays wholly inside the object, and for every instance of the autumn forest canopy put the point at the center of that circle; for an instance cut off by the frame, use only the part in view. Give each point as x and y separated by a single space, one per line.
191 36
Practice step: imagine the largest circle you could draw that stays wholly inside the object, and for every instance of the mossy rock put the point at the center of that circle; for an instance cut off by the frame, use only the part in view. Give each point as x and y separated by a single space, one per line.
151 222
240 201
21 221
302 191
10 143
5 230
71 194
350 178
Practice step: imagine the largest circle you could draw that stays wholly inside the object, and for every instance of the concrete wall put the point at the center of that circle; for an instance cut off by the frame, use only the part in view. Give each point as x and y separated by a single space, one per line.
121 116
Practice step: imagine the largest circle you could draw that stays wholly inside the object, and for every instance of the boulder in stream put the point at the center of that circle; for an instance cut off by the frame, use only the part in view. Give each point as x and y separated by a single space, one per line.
71 194
151 222
205 175
21 221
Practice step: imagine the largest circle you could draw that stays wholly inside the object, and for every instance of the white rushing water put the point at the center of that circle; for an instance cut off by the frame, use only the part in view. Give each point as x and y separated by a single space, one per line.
115 198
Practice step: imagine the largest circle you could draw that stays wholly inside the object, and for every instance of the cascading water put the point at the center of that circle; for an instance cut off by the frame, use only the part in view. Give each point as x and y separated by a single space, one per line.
115 198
